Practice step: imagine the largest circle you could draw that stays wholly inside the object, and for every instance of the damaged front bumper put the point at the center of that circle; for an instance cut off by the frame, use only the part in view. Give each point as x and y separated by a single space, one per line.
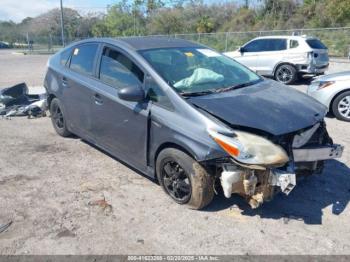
257 186
316 154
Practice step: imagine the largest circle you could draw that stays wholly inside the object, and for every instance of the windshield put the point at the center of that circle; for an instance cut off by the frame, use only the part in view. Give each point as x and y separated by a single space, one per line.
193 70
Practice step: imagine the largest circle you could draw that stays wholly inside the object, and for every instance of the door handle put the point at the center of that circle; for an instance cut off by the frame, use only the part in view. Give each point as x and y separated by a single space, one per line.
65 81
98 99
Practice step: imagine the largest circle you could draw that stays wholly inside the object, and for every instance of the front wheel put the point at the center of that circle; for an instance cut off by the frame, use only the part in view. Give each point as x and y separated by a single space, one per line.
184 179
341 106
286 74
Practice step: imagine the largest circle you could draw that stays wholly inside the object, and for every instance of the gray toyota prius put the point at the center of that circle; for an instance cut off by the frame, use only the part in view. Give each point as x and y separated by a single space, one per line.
194 119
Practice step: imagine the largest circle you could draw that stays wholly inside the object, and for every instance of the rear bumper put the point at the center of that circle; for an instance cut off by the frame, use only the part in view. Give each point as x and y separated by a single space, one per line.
313 69
317 154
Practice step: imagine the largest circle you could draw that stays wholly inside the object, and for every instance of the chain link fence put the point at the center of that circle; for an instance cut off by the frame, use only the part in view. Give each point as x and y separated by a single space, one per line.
336 39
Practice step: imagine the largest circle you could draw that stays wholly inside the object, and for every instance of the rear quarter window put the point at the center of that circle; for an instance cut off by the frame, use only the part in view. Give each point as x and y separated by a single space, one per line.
64 56
315 44
83 58
293 44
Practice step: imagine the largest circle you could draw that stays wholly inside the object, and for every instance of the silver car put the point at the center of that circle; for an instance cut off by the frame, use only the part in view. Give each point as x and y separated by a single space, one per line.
334 92
285 58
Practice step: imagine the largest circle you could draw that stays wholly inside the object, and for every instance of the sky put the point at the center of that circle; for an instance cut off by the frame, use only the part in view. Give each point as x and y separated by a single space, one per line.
15 11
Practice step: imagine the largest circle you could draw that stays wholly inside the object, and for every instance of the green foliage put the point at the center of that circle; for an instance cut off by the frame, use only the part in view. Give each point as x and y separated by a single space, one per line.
146 17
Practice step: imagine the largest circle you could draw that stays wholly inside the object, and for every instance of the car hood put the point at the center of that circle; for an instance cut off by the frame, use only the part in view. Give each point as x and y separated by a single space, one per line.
233 54
268 106
341 76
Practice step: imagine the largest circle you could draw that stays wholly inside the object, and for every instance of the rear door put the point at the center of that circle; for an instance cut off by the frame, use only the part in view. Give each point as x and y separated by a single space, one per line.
77 88
120 126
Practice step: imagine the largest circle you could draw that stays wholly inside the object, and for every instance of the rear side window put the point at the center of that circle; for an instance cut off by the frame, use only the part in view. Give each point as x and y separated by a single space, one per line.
83 58
293 44
64 57
276 45
119 71
315 44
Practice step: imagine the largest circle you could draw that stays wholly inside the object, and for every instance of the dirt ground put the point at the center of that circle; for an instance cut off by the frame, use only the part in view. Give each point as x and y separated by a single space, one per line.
52 189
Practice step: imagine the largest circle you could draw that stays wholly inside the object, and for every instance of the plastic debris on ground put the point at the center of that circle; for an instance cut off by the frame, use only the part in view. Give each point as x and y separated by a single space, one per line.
5 226
16 101
103 204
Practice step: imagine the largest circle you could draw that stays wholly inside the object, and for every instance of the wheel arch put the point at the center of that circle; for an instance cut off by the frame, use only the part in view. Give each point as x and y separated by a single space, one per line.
330 106
283 63
175 145
49 99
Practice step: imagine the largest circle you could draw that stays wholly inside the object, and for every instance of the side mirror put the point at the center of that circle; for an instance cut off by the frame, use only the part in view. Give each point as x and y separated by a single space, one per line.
241 49
131 93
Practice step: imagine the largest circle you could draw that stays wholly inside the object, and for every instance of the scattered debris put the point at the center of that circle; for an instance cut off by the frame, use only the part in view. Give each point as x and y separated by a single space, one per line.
15 101
92 186
5 226
141 241
65 233
102 203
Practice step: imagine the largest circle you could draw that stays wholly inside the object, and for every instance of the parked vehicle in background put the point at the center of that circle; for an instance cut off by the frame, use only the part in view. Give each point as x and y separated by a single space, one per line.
334 92
4 45
285 58
188 116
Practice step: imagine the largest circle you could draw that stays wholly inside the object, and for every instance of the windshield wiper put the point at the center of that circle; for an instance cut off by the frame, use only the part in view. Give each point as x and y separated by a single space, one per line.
199 93
229 88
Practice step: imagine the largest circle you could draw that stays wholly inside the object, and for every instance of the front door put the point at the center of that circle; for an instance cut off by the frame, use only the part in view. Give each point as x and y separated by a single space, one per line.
250 54
120 126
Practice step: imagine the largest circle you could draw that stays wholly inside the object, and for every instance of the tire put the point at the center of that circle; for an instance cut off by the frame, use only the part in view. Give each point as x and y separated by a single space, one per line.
286 74
58 119
341 106
184 170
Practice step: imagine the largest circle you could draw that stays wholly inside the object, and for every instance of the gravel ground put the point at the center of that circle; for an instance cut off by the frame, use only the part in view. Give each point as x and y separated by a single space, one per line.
49 187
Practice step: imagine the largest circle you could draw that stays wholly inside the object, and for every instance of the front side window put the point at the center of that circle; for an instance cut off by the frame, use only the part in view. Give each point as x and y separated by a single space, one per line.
195 69
119 71
83 58
255 46
156 94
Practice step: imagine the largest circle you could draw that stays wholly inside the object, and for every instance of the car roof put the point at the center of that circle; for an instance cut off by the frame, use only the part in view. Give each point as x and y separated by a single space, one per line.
140 43
296 37
144 43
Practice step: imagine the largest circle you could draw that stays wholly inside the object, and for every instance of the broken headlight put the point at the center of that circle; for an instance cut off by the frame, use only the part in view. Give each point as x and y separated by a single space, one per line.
251 149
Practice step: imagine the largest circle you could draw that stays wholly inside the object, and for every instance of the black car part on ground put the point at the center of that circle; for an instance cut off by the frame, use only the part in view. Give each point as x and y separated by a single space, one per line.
17 102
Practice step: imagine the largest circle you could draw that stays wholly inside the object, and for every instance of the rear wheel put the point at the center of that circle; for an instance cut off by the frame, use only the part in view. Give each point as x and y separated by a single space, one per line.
341 106
286 74
58 119
184 179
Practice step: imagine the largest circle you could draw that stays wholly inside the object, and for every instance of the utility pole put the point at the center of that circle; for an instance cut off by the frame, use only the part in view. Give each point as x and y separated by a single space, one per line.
62 25
246 4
